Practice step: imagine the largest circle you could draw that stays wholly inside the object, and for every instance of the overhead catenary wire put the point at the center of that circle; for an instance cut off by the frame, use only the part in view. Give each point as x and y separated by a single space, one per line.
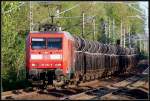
69 17
135 9
56 16
62 12
67 9
78 24
9 11
73 17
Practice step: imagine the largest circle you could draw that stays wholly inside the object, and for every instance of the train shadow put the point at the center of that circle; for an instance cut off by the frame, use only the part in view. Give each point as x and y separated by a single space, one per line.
134 93
122 91
99 92
116 77
63 92
29 89
9 98
16 92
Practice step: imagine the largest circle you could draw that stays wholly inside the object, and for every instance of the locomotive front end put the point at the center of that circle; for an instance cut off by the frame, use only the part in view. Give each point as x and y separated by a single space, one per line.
44 55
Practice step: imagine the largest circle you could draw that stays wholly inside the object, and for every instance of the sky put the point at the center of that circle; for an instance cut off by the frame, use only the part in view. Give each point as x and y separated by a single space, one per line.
144 5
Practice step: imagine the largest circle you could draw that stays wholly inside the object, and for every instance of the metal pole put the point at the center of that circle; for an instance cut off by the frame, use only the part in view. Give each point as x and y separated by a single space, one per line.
82 24
110 34
94 29
144 45
31 17
129 38
52 18
106 30
109 30
109 27
113 30
124 37
148 46
140 45
121 32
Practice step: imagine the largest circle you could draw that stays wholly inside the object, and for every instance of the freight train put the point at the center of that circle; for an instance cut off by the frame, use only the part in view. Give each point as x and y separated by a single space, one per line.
60 58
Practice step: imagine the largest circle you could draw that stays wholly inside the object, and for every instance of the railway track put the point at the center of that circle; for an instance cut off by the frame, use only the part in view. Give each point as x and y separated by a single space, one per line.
135 87
98 89
52 93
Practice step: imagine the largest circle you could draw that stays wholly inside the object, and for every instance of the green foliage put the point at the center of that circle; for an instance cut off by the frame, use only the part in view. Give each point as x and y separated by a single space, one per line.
143 55
14 25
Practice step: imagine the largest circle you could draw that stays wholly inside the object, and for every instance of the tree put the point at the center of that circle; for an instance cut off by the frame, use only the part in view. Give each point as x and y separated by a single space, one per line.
14 25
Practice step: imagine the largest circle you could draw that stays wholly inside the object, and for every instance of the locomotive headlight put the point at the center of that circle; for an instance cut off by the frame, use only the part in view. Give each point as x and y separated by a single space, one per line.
56 56
36 56
33 64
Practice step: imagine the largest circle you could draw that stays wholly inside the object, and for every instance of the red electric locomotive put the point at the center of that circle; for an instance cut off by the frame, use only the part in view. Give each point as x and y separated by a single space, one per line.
49 56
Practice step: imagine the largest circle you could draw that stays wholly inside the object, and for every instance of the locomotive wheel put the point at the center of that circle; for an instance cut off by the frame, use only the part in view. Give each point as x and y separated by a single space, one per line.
77 83
74 82
90 77
87 77
65 86
93 77
97 75
58 83
109 73
71 82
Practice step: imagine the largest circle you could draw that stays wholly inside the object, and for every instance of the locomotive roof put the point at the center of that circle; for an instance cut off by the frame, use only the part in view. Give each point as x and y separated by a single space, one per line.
66 34
45 32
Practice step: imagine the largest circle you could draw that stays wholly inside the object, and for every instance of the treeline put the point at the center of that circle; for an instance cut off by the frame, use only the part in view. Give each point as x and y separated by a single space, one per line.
16 23
108 18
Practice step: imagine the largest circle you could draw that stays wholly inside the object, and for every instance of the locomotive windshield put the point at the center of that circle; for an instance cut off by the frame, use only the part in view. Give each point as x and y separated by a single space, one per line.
38 43
52 43
55 43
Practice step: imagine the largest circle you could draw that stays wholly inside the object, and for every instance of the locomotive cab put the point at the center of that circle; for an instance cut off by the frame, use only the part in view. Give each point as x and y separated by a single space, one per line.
49 56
